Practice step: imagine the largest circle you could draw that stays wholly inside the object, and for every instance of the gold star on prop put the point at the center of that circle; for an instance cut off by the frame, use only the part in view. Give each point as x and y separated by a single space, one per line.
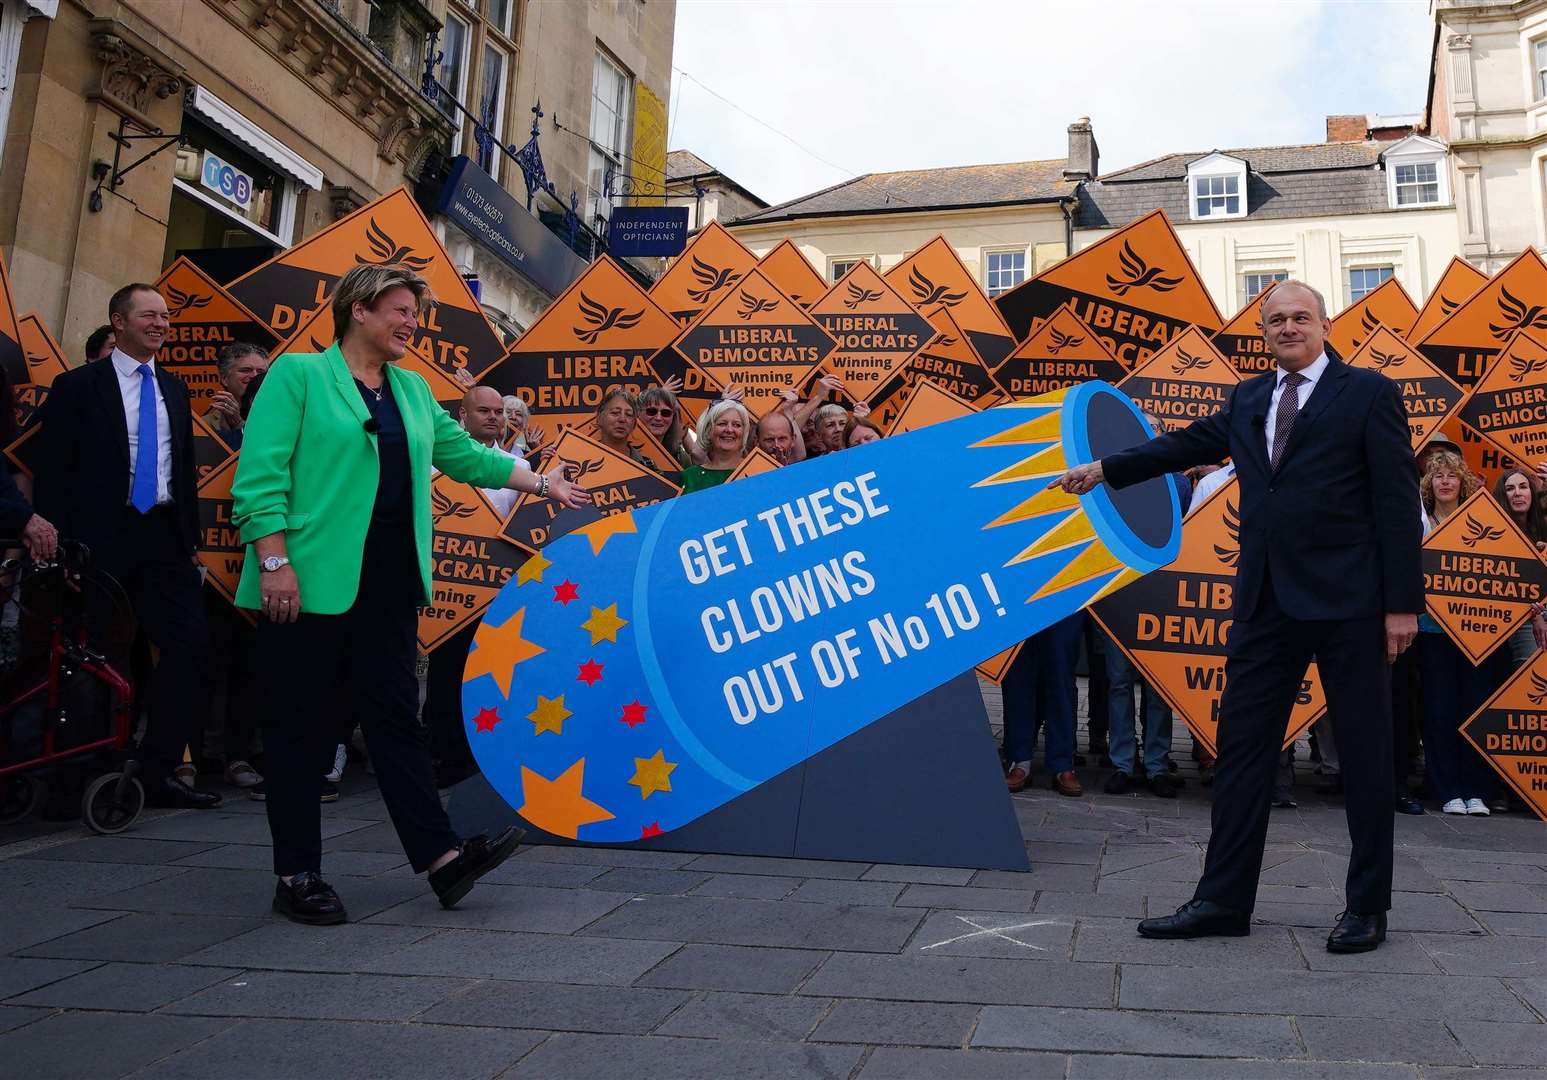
652 774
603 529
604 624
532 570
499 650
557 805
549 715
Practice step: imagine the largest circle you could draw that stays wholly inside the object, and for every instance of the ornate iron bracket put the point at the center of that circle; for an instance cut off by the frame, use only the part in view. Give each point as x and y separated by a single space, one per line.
113 175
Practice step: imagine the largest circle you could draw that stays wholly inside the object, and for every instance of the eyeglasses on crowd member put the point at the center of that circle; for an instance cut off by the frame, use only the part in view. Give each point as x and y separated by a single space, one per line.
332 493
1453 689
725 433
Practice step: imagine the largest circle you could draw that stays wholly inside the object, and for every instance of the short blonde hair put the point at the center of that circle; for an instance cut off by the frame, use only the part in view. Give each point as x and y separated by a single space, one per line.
719 409
365 284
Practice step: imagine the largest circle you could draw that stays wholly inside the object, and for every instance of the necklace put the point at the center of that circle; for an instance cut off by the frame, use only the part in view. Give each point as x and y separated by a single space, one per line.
374 391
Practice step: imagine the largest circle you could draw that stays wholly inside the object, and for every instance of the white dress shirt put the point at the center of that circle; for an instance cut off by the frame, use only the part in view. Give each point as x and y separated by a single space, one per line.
1209 485
503 498
127 369
1311 373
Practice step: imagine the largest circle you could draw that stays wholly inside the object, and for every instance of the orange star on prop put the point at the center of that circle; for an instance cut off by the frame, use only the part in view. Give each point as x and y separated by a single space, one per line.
652 829
563 594
557 805
549 715
498 650
590 673
604 529
532 570
634 714
487 718
652 774
604 624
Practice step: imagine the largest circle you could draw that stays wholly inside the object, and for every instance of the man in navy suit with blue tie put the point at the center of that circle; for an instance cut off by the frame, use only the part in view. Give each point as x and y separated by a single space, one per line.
1329 568
116 470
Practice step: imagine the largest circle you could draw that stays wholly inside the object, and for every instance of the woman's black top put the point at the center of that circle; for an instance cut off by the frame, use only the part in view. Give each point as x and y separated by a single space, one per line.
394 488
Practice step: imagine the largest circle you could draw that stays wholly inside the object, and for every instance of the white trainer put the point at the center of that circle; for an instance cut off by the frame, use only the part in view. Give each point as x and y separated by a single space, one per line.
340 758
1454 806
1477 807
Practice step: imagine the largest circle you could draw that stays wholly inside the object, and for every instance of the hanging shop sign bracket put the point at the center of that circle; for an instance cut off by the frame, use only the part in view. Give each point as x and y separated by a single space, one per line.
112 176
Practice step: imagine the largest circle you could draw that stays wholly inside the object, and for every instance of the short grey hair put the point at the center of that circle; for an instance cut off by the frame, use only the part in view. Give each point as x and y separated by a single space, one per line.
515 406
831 409
1321 301
365 284
719 409
228 355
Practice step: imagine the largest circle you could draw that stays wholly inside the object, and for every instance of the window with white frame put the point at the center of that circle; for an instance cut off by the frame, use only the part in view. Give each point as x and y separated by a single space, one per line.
1539 53
1416 173
611 95
1418 183
1216 187
1363 280
500 12
1003 271
491 105
1257 281
453 63
836 268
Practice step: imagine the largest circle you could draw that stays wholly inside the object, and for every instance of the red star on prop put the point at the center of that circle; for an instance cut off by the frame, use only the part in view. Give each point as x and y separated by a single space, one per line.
486 719
590 673
563 594
652 829
634 714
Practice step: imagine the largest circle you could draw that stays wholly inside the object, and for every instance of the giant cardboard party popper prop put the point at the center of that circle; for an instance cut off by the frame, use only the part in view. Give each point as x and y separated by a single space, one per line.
660 663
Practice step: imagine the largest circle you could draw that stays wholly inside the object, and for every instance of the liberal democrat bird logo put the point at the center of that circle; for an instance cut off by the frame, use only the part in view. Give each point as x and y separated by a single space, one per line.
1382 360
443 506
1061 341
1447 305
1518 315
859 295
182 302
1187 362
600 318
752 305
710 280
1520 367
944 341
930 293
1369 324
1477 532
1231 555
575 471
1139 274
1538 692
389 253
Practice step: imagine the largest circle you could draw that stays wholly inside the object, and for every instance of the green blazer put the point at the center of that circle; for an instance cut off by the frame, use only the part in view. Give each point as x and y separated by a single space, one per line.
309 469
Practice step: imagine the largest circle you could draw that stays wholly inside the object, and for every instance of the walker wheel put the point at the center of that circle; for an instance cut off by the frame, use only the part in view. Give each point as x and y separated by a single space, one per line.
20 797
111 803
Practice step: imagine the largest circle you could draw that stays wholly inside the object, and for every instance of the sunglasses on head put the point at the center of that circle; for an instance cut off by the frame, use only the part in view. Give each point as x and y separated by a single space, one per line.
657 410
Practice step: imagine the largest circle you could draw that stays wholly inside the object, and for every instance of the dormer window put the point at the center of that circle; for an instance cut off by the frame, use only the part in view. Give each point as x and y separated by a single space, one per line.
1216 187
1416 174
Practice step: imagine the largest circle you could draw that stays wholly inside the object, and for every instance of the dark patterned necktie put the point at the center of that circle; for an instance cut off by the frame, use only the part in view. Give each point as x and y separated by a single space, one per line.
1284 418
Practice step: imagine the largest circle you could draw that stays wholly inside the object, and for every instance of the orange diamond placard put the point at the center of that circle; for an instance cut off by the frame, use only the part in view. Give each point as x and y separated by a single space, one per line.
599 335
759 339
934 280
996 667
1061 352
1513 299
1185 381
1174 623
1241 342
470 561
646 446
221 551
44 361
757 462
1508 406
312 337
1427 394
929 404
947 360
1458 284
1482 576
793 273
1510 731
1137 288
878 332
1388 306
617 485
204 318
712 263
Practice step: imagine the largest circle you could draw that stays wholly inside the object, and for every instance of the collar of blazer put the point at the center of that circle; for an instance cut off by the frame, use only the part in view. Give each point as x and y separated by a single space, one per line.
404 393
333 356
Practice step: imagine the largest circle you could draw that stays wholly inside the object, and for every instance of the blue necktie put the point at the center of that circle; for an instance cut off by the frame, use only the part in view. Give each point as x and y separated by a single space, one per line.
142 494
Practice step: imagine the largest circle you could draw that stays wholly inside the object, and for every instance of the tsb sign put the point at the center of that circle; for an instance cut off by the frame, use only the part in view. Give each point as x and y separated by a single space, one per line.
226 180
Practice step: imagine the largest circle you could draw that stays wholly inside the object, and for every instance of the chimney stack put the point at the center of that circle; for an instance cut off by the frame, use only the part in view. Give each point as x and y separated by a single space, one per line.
1348 128
1084 156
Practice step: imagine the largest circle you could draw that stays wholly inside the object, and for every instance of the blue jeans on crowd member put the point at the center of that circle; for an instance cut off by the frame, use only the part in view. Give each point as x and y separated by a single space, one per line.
1039 691
1452 691
1122 745
1520 646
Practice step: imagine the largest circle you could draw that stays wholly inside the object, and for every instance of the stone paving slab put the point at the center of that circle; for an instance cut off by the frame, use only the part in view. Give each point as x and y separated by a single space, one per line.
734 967
994 934
1183 1034
891 1063
199 891
32 922
1502 1044
750 1017
1134 1067
586 1057
759 922
145 938
509 907
276 945
748 886
125 987
318 996
253 857
503 955
1419 1042
898 1023
966 979
70 1046
21 974
549 1007
123 849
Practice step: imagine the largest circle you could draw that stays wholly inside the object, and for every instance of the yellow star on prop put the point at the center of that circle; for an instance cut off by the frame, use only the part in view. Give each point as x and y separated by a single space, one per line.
603 529
499 650
557 805
652 774
604 624
549 715
532 570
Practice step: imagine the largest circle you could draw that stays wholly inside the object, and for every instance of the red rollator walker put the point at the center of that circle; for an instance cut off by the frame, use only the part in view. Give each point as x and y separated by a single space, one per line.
64 710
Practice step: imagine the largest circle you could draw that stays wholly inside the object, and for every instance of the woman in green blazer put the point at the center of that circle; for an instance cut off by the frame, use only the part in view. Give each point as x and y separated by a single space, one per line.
332 495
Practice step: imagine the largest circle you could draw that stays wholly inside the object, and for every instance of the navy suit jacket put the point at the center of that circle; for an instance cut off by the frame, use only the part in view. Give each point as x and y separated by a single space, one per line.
1336 527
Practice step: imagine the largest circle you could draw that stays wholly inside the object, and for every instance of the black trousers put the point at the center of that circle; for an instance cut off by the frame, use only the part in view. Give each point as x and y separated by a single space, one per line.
166 597
234 676
443 698
368 654
1268 657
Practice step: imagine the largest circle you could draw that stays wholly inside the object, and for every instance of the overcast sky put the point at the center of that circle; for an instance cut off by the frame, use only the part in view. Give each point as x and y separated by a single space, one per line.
877 85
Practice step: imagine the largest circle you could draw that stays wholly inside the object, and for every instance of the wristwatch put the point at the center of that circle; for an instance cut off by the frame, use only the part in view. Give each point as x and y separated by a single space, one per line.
273 563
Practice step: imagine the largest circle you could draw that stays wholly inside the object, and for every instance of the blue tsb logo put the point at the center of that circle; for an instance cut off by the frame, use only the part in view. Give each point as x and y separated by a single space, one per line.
218 176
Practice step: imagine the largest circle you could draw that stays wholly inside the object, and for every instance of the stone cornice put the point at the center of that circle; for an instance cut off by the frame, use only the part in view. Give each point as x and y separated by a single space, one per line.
345 72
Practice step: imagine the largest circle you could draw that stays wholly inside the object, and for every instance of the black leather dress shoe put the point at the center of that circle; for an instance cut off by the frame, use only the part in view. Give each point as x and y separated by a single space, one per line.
1357 933
1406 804
169 791
479 855
1198 918
308 899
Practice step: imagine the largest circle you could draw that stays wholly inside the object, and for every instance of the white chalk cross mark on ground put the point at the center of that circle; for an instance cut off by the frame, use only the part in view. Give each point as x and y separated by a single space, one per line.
1001 932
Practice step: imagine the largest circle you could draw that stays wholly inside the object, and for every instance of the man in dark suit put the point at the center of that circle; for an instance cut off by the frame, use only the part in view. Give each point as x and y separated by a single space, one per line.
116 470
1329 568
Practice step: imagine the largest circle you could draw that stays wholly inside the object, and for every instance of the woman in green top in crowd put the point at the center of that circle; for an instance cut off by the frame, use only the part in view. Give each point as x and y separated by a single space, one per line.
724 435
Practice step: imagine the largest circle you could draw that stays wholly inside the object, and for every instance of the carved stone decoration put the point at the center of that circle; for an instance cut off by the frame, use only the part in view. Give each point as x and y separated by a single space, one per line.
397 132
131 82
1459 41
344 201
